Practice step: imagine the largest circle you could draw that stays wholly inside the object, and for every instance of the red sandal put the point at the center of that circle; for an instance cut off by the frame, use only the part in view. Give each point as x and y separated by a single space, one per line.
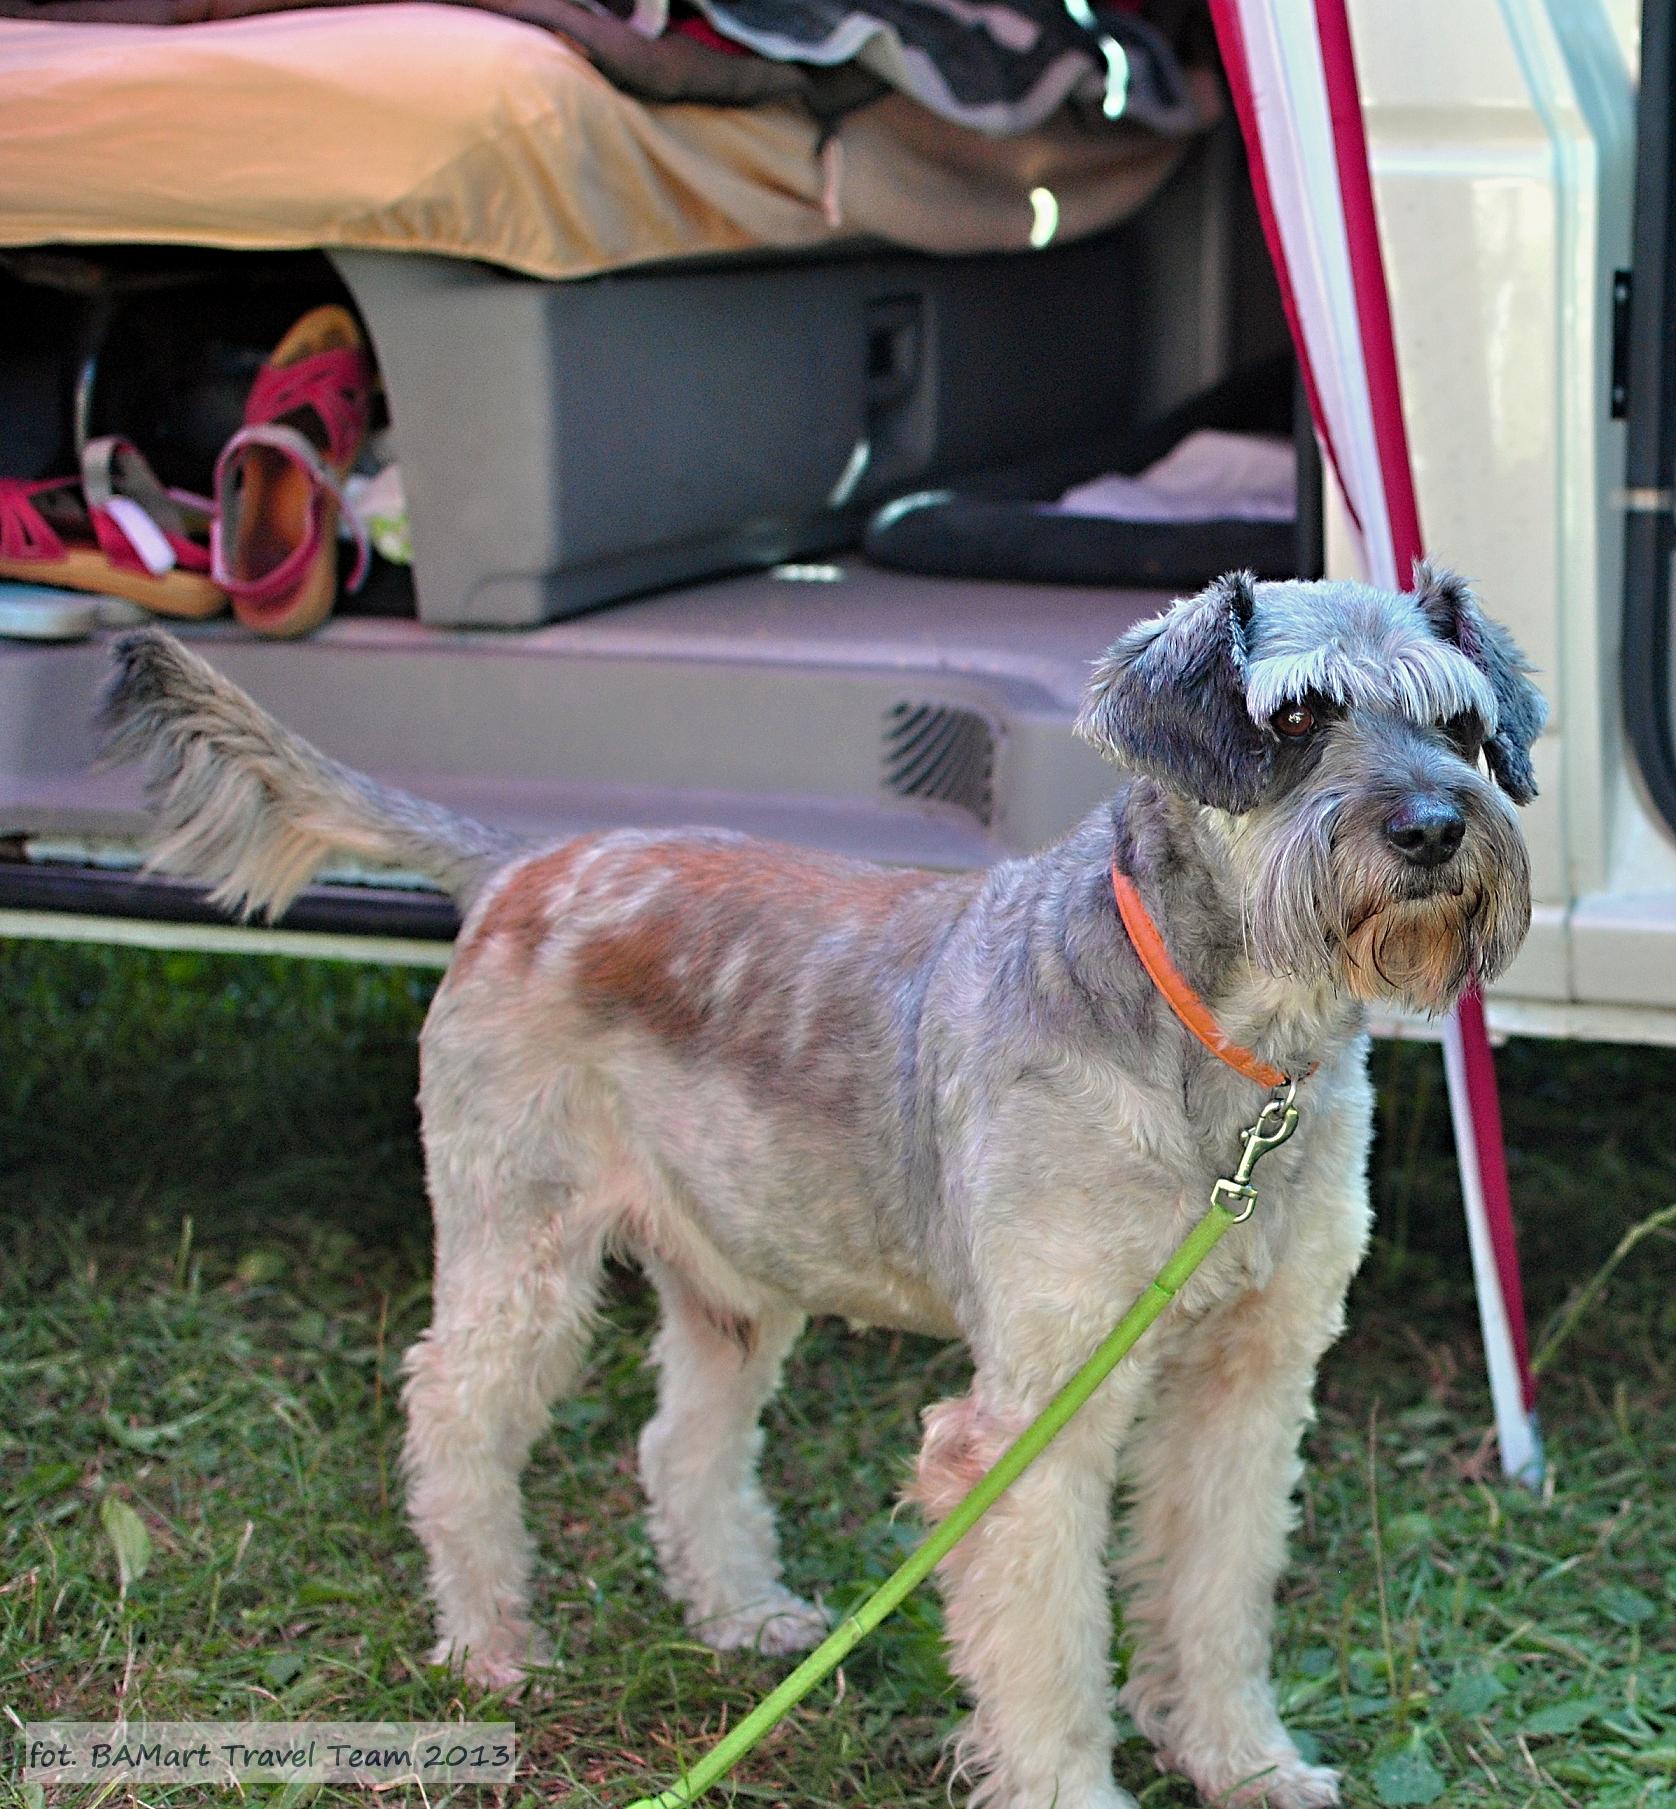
116 530
279 480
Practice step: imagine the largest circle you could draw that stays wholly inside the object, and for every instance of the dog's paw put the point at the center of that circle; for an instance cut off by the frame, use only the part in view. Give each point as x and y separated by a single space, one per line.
1054 1798
778 1624
1059 1779
1287 1784
998 1792
501 1661
1275 1780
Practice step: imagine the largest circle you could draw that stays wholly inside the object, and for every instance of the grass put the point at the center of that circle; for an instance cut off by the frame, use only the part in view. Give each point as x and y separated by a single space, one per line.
216 1248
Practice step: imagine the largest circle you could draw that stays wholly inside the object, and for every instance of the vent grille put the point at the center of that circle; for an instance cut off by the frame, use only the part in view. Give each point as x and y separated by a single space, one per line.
942 752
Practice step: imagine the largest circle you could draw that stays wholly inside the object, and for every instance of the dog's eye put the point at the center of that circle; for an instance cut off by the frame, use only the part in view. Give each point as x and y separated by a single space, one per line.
1294 721
1466 732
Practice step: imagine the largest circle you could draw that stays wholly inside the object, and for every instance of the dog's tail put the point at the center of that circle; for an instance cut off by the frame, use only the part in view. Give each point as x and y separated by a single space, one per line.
250 809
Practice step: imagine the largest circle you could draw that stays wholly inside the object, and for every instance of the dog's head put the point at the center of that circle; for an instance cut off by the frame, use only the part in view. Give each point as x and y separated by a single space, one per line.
1360 753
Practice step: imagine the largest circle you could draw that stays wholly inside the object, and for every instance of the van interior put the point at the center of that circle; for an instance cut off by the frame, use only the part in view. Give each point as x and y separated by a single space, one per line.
639 592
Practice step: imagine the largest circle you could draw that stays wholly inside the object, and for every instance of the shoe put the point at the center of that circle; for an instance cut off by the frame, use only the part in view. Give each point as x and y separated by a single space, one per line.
115 530
279 480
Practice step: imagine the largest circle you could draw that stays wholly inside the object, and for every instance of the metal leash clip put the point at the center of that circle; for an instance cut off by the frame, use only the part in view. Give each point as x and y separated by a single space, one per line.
1275 1123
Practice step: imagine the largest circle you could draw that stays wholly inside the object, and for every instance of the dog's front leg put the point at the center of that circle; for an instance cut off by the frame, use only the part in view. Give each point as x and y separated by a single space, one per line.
1216 1464
1027 1605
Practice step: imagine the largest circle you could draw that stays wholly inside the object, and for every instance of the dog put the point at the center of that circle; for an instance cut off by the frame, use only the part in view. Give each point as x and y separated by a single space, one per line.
787 1084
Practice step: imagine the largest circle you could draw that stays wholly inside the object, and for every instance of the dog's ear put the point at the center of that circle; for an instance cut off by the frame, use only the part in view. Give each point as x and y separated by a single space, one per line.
1448 604
1169 699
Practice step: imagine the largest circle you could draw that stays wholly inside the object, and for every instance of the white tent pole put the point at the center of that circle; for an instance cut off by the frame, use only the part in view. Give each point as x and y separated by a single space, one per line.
1517 1432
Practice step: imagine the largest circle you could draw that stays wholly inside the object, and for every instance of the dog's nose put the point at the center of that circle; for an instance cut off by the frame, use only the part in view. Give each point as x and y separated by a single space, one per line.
1426 830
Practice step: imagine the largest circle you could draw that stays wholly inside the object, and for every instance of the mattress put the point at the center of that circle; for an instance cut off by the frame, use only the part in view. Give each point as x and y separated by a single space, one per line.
436 129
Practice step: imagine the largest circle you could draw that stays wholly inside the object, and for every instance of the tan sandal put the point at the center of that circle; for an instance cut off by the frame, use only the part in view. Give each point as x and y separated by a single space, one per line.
279 480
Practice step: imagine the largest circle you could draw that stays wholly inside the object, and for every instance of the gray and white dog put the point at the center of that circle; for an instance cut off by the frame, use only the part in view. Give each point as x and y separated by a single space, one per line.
788 1084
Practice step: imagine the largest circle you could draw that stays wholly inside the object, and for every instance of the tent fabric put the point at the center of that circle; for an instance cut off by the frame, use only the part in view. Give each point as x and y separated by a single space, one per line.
441 129
1291 71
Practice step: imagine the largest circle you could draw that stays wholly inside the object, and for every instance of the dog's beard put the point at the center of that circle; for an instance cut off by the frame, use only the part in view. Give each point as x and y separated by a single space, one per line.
1416 952
1327 900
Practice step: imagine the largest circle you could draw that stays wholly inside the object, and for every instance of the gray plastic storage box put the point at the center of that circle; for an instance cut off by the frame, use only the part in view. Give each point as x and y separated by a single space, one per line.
566 444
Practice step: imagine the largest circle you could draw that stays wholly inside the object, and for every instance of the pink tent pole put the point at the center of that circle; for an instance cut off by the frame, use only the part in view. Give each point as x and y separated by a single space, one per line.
1291 70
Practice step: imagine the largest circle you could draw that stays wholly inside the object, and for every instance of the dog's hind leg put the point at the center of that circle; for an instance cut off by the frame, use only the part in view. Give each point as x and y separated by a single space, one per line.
515 1290
711 1525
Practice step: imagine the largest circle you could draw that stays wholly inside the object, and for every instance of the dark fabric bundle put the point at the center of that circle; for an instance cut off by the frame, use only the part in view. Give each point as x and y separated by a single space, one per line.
1001 67
1032 543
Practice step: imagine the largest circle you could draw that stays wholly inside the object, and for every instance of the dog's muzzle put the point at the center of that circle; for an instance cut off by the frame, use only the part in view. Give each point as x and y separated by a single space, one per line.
1407 902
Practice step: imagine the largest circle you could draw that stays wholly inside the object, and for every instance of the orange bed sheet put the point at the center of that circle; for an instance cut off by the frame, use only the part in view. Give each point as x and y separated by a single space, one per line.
436 129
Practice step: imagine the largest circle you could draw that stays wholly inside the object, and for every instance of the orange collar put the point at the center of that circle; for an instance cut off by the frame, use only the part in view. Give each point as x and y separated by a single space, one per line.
1181 998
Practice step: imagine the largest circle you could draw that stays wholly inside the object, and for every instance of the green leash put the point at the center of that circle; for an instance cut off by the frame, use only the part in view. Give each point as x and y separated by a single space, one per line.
1231 1202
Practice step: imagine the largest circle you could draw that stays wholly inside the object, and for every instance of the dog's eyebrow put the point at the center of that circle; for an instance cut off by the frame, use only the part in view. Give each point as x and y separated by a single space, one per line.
1373 657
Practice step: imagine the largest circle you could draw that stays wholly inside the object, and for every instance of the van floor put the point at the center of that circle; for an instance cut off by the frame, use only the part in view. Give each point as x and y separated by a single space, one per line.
789 703
851 612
